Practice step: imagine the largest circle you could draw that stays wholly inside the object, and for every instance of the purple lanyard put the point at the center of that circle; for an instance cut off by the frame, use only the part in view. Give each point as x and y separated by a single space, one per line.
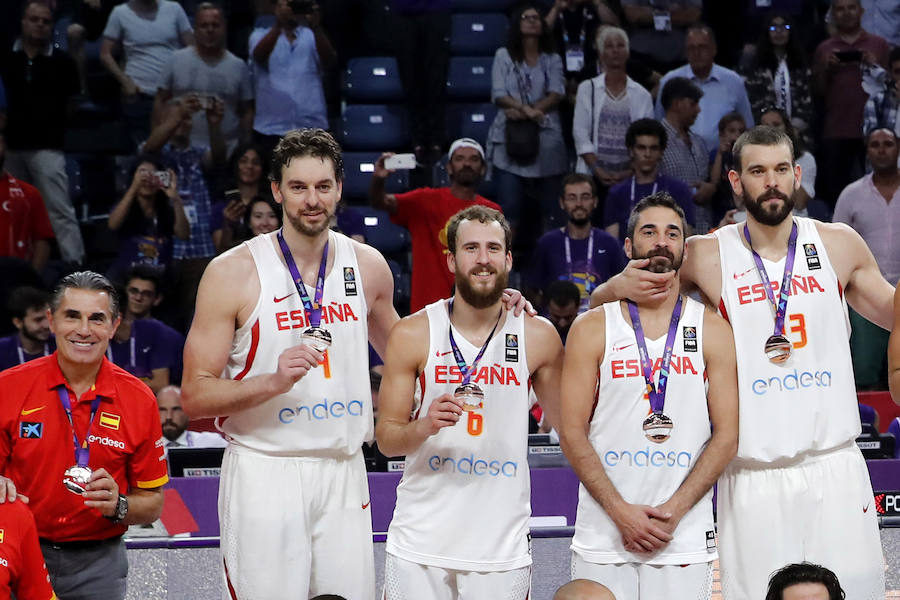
82 450
590 251
467 371
314 308
781 306
656 394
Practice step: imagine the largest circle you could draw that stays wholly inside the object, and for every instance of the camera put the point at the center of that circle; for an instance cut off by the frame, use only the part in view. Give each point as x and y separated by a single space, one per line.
302 7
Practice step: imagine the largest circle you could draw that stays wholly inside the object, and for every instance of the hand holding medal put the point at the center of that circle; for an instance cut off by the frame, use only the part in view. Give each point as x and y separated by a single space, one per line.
469 393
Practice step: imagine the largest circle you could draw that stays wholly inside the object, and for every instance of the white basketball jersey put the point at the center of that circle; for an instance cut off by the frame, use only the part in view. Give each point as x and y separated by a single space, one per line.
465 497
646 472
807 403
329 411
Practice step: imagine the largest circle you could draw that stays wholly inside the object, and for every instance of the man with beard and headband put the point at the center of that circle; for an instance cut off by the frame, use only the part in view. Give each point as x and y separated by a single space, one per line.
425 212
28 308
585 255
797 469
460 524
279 352
642 431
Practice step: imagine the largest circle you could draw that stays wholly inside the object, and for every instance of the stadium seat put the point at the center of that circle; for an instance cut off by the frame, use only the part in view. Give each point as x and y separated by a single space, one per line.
470 120
374 127
894 430
401 283
373 79
480 5
867 414
469 78
358 168
387 238
477 34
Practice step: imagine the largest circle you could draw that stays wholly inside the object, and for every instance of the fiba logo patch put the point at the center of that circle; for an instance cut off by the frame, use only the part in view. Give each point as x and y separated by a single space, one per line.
349 282
512 347
812 257
689 336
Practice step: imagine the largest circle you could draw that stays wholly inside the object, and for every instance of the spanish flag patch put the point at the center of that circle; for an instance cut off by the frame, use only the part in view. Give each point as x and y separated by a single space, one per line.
110 420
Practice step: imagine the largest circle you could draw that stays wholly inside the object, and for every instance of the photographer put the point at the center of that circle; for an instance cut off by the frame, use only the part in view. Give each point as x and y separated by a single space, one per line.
289 59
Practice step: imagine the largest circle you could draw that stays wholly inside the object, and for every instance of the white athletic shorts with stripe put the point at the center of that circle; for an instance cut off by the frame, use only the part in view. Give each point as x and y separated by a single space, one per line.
820 510
637 581
295 527
406 580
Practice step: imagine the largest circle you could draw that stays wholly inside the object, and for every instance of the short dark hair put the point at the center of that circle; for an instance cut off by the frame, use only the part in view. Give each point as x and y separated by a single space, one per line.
299 143
575 178
804 572
279 214
678 88
25 298
663 199
703 28
150 273
479 213
45 3
874 129
563 293
761 135
729 118
646 127
209 6
86 280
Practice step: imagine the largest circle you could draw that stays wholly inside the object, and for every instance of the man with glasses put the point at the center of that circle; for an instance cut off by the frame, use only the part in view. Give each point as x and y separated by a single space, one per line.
143 346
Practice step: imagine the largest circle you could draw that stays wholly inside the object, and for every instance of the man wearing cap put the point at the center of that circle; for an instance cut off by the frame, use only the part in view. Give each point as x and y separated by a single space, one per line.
426 211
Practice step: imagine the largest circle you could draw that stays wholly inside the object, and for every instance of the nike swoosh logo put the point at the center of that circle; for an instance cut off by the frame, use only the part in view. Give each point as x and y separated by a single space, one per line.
866 509
440 354
275 299
145 350
620 348
601 251
25 412
739 275
366 505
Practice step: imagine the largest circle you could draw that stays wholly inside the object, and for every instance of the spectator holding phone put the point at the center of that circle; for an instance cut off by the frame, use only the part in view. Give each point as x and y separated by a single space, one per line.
147 218
209 69
837 68
247 182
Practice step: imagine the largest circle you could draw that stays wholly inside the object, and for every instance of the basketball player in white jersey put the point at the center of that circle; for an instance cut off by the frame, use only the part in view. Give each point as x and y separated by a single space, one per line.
799 489
460 526
293 498
641 431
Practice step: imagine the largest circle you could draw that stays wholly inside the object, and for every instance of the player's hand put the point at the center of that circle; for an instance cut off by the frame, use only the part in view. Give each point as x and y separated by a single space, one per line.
669 524
514 300
444 411
293 364
639 285
8 491
102 493
640 529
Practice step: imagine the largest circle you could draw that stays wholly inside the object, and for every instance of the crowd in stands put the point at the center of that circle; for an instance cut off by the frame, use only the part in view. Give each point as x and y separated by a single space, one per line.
136 135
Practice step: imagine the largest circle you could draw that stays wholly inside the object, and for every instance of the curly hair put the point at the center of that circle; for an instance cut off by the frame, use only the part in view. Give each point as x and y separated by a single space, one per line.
299 143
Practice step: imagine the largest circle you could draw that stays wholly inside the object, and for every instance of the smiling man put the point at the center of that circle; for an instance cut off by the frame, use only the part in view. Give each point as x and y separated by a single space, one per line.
798 408
296 409
74 422
466 444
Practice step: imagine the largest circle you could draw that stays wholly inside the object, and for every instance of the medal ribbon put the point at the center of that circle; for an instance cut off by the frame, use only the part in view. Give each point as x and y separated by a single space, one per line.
82 450
590 251
460 360
656 393
781 306
314 308
633 180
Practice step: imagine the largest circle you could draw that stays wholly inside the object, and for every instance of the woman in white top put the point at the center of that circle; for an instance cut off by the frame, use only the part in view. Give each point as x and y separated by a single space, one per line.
604 108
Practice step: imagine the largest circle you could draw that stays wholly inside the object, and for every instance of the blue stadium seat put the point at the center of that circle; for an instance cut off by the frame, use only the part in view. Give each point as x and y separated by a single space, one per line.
373 79
401 283
469 78
894 430
381 234
358 168
477 34
470 120
480 5
374 127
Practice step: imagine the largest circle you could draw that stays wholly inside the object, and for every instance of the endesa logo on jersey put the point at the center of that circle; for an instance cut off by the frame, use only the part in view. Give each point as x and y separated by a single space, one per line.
320 411
488 375
298 319
791 382
647 458
474 466
106 441
800 284
681 365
